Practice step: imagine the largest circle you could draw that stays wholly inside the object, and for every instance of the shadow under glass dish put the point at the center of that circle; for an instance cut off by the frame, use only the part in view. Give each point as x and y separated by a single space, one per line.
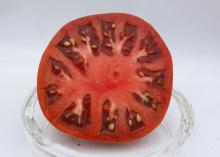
164 140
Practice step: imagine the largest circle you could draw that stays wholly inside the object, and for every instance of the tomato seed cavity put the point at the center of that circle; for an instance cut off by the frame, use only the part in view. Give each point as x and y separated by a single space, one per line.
53 94
134 120
108 118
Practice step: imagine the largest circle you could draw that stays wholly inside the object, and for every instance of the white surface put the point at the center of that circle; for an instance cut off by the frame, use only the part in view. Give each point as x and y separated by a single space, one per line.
191 30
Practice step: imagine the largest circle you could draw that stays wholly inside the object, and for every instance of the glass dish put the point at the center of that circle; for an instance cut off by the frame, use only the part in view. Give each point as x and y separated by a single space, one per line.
165 140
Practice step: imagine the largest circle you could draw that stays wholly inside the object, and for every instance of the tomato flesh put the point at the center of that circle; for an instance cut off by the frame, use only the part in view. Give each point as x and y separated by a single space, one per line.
105 77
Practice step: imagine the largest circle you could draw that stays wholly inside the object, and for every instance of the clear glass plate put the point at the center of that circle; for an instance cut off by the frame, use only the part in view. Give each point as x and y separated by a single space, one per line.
165 140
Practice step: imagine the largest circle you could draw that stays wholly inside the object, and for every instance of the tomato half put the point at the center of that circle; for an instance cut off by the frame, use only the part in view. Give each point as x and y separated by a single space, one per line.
105 77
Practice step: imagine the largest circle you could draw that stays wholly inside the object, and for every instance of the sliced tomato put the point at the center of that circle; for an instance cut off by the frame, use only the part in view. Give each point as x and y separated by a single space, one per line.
105 77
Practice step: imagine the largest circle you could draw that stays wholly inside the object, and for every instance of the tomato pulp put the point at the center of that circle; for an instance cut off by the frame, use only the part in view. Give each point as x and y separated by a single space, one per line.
105 77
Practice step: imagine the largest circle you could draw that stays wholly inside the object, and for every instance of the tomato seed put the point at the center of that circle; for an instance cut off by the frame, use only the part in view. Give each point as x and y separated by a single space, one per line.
83 39
130 123
84 33
105 34
138 118
67 43
111 126
115 117
113 25
154 106
73 41
94 46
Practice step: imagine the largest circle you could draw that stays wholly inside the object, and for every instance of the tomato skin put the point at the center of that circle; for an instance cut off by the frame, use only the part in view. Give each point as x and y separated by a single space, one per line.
103 75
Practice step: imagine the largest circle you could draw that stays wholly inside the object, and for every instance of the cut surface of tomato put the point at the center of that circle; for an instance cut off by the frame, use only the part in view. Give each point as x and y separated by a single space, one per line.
105 77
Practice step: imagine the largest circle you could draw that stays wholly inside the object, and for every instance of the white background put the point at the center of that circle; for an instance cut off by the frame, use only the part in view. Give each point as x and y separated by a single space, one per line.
191 29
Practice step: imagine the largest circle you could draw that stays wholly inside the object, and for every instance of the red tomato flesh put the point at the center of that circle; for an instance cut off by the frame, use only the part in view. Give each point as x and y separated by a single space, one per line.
105 77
